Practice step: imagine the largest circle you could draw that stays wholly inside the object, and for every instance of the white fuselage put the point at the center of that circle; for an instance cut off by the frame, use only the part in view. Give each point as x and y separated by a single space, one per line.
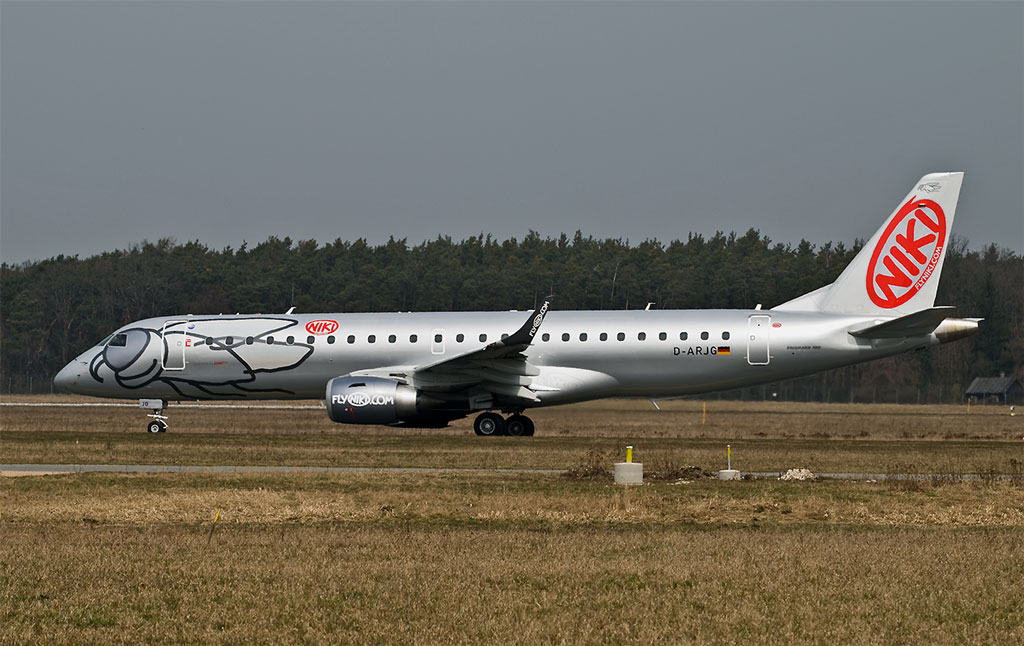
580 355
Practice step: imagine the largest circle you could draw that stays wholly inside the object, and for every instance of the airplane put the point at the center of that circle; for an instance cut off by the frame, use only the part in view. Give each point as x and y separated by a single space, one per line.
428 369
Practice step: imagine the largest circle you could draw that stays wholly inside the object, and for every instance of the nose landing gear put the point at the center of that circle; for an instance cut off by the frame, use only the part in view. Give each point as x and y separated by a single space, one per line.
491 424
159 422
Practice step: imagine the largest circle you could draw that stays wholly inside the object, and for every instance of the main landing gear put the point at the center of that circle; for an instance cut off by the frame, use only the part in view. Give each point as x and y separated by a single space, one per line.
159 421
489 424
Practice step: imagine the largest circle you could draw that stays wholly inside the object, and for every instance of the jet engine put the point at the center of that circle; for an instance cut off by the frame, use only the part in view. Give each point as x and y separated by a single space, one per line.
376 400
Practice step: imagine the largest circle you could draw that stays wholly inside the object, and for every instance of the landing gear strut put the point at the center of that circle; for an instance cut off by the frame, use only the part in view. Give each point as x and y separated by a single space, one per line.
159 421
491 424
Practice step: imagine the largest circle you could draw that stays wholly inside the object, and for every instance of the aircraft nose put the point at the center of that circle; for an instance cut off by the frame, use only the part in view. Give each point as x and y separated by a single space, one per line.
68 376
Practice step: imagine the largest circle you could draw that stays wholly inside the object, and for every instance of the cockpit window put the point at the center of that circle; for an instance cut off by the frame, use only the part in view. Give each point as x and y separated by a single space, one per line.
119 340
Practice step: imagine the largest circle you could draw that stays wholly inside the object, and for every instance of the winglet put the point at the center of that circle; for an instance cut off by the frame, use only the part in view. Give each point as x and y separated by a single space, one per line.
524 335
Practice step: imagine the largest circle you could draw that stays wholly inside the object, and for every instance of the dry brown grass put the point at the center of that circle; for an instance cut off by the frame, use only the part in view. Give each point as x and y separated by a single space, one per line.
485 558
523 500
765 437
507 499
603 418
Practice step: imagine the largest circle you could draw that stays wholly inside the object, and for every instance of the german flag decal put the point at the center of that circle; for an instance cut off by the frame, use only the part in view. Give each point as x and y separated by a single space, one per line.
723 349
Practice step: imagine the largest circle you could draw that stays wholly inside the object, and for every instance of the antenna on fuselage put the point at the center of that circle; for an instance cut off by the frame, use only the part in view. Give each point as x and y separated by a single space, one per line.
290 310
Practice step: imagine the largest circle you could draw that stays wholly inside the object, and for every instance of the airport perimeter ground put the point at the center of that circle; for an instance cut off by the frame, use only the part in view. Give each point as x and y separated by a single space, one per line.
487 557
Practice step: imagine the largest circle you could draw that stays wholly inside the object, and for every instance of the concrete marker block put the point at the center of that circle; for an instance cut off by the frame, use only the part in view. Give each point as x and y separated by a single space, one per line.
629 473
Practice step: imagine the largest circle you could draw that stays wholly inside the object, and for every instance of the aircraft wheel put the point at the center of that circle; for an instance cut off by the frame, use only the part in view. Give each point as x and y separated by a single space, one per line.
156 426
489 424
519 425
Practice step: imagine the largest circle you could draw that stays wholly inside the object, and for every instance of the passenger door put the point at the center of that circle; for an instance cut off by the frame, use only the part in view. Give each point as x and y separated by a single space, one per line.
176 340
758 327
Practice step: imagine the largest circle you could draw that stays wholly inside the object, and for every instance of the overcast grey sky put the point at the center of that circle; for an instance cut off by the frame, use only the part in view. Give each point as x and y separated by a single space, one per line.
233 121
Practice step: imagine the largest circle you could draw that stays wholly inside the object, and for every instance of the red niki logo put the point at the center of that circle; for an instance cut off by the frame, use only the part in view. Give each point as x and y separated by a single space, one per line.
321 327
906 254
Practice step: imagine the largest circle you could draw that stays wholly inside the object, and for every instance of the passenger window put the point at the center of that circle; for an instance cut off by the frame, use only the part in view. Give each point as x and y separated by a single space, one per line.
483 338
504 336
621 336
438 338
642 336
229 341
330 340
290 340
351 338
270 340
662 336
565 336
725 336
683 336
310 340
249 340
372 338
604 336
392 338
413 338
703 336
545 337
459 338
583 336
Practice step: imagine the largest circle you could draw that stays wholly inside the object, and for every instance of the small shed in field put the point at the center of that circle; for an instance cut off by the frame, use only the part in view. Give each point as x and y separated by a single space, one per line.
1005 390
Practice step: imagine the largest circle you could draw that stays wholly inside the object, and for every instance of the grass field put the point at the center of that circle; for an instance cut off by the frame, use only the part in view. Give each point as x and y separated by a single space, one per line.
764 436
484 557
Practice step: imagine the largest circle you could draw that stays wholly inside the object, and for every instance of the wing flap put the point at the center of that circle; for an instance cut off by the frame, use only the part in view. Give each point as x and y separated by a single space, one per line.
499 368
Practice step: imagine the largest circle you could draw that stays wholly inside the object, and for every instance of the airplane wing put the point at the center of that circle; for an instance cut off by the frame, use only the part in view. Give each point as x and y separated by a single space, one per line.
499 368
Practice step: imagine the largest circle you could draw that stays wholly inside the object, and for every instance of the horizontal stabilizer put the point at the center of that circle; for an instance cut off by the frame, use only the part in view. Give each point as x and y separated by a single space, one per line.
916 324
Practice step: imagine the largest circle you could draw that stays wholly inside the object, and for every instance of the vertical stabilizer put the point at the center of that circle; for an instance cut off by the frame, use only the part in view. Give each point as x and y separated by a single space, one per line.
897 271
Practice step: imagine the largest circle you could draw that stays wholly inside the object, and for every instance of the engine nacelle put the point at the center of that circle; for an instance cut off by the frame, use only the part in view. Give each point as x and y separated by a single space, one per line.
370 400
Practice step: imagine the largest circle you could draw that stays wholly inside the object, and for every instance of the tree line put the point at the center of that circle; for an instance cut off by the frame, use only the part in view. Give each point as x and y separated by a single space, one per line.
53 309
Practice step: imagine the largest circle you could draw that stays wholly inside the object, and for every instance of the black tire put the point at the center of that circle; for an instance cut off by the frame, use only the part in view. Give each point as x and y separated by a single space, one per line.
489 425
518 426
156 426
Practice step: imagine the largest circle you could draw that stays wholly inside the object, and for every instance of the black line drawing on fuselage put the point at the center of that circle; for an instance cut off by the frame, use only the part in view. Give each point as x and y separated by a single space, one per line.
222 363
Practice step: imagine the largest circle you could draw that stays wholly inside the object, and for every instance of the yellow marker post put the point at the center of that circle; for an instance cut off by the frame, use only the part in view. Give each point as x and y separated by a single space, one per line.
704 414
213 526
629 454
728 456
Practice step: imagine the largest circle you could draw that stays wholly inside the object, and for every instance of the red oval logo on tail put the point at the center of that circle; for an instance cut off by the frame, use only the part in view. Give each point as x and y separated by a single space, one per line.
906 254
321 327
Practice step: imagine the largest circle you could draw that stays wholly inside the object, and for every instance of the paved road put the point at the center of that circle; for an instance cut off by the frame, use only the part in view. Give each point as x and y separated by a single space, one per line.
51 469
227 468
